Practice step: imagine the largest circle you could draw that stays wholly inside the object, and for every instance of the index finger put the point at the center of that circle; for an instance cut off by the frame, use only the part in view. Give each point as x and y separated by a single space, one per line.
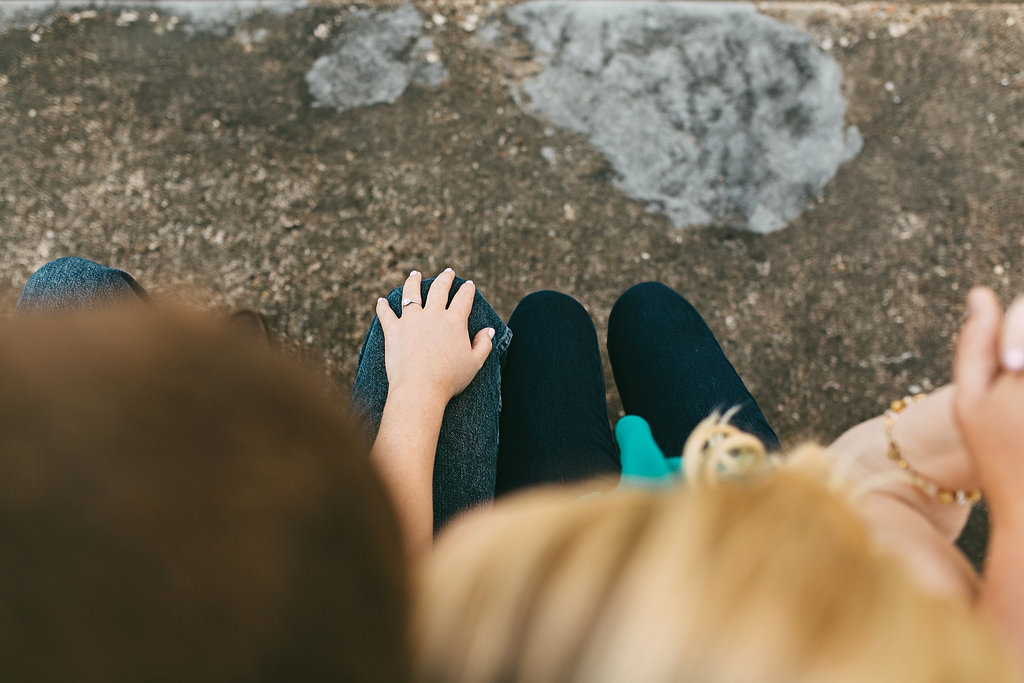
976 362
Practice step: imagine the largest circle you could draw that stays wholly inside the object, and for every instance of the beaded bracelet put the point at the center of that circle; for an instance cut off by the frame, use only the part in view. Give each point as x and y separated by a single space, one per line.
943 495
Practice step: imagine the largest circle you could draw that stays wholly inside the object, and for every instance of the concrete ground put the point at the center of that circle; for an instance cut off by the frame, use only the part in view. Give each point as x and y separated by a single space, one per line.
191 155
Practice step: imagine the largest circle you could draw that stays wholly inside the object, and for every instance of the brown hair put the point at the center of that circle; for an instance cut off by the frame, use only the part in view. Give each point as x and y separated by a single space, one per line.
178 504
770 578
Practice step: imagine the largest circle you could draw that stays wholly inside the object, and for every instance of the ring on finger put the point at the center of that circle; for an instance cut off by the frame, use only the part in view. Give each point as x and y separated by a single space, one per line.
407 301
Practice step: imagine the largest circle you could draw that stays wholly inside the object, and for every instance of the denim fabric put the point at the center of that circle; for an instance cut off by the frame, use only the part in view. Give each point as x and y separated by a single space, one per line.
554 418
667 365
72 284
466 458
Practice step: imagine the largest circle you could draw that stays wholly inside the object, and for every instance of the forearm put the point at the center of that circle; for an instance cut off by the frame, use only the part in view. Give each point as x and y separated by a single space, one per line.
1002 593
927 438
903 531
403 454
901 518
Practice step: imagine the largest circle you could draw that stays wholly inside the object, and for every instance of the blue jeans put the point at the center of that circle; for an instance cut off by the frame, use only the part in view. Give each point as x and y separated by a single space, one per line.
464 464
72 284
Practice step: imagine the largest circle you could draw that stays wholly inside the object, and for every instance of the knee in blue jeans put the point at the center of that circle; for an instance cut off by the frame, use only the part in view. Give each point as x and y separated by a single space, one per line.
71 284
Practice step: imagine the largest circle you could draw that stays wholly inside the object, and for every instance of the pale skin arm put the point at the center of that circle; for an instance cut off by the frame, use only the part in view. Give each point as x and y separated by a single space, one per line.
982 445
988 406
429 358
902 519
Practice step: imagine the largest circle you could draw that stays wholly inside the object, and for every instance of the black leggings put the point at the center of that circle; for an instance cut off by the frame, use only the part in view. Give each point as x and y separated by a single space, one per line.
667 364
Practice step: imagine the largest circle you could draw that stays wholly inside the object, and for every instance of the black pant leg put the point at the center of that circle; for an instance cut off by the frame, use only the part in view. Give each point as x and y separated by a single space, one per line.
554 418
670 370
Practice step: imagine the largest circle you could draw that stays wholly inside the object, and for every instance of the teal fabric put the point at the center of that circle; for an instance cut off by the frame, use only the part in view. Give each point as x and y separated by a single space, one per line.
643 463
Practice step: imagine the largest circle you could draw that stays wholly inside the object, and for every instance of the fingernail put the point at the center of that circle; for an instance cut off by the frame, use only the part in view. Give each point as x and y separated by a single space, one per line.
448 270
379 299
414 272
1013 359
469 282
490 332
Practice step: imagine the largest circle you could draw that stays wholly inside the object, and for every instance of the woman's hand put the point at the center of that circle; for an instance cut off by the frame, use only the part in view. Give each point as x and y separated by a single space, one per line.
989 400
427 351
429 359
988 405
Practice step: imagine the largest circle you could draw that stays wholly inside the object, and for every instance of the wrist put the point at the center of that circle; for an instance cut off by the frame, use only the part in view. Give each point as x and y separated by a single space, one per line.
862 454
409 429
420 394
923 440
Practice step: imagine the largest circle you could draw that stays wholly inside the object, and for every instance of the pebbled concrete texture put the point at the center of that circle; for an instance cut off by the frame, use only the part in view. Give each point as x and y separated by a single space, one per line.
197 161
192 16
710 112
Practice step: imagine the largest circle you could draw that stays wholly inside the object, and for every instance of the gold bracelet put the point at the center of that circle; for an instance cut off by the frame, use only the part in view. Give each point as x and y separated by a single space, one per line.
943 495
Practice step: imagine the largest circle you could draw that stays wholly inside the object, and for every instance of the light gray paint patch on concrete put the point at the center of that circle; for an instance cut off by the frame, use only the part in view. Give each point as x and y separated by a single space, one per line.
376 57
711 112
213 16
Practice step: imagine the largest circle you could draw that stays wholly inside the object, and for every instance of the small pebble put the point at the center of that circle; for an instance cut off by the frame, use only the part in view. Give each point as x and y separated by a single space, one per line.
898 30
126 18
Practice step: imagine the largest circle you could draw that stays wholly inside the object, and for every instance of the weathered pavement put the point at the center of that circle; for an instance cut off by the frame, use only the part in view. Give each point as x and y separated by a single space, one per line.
215 157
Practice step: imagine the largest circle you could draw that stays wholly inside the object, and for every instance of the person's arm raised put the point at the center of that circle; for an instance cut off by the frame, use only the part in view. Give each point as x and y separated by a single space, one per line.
429 358
989 407
902 518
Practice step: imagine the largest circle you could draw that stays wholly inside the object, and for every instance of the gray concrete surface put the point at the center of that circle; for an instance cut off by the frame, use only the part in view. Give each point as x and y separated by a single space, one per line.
196 160
709 112
377 56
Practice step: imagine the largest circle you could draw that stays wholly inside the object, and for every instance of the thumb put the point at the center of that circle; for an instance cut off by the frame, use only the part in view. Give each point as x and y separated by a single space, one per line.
976 362
482 345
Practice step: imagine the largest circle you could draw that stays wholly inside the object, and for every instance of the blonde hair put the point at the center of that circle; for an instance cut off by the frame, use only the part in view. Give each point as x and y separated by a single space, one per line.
761 578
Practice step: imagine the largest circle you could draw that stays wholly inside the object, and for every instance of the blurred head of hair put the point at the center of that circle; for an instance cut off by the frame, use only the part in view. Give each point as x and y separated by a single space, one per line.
178 504
769 578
